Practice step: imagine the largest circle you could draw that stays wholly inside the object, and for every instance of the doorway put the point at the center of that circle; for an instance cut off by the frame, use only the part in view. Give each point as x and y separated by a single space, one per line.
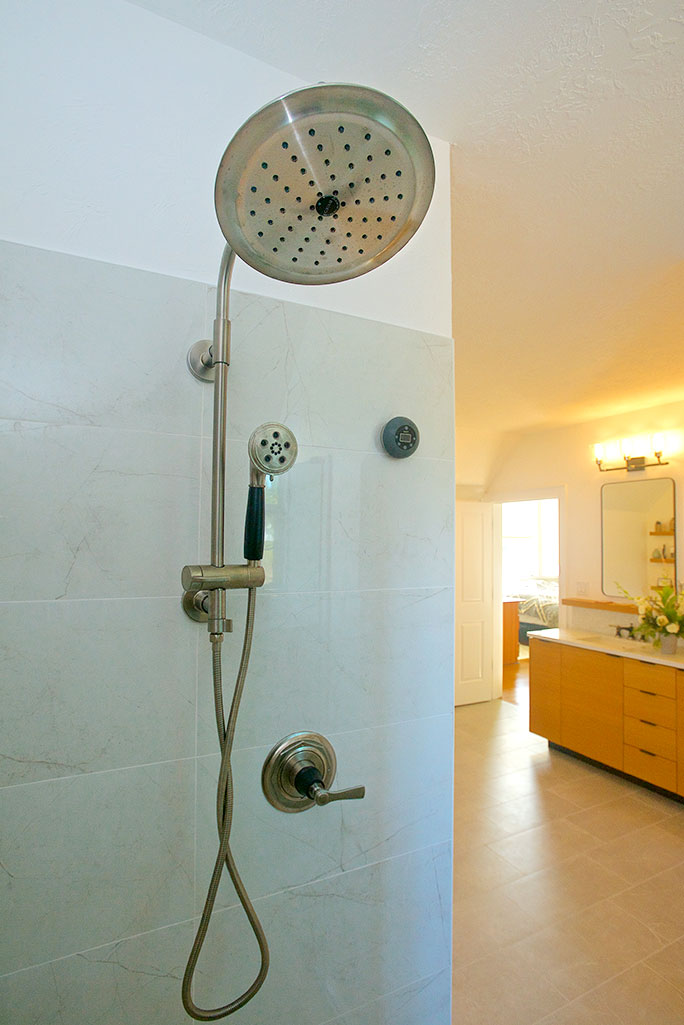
529 584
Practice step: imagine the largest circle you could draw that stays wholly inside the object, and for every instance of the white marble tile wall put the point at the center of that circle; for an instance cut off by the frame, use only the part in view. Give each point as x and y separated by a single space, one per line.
107 746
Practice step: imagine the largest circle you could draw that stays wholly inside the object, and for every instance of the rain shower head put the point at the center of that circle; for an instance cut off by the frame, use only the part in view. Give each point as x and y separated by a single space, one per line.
324 184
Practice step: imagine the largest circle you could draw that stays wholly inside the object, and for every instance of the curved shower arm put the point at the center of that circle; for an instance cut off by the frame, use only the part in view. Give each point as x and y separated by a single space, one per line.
220 352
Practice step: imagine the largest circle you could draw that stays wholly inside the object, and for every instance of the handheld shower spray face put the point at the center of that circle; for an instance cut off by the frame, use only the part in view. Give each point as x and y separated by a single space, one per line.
324 184
272 450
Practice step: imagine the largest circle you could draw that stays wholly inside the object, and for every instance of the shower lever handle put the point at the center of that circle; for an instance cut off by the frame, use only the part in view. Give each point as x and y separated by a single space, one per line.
320 795
309 783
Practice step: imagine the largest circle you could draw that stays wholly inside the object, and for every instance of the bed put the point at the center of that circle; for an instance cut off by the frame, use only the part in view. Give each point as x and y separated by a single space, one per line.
537 606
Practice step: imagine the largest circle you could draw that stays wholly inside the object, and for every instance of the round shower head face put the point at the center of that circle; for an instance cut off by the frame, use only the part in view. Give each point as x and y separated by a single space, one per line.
324 184
272 449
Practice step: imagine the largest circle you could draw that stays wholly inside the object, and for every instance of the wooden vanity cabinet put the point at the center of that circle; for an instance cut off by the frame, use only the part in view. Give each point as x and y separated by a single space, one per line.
592 704
680 732
545 705
622 712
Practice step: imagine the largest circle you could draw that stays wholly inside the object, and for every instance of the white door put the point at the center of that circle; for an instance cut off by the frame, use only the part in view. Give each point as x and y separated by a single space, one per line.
475 676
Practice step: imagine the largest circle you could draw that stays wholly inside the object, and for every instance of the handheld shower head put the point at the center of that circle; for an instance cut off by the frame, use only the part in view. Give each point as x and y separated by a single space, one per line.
324 184
272 450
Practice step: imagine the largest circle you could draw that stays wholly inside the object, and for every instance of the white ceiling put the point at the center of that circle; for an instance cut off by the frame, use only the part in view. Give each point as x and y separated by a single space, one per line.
567 124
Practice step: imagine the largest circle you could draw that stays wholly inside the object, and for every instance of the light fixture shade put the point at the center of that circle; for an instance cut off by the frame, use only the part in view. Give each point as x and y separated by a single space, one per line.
637 445
632 453
613 451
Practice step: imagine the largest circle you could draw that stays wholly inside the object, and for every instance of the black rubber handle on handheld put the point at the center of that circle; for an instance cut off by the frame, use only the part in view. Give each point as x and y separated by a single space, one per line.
254 525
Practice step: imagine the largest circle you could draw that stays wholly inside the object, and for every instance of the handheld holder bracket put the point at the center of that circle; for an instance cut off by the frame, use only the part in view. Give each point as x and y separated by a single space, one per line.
199 581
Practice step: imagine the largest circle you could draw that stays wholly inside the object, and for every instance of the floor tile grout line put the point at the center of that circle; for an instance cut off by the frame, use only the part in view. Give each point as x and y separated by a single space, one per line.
600 985
663 945
575 857
503 948
600 842
490 812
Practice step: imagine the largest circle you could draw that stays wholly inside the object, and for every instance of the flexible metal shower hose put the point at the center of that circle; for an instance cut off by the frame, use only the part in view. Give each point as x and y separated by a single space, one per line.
224 819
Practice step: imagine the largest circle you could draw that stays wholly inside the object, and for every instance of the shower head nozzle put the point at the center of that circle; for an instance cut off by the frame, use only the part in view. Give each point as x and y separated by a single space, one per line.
324 184
272 449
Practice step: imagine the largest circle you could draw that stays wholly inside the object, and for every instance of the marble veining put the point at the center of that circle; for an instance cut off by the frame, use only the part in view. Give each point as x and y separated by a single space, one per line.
87 703
95 513
274 345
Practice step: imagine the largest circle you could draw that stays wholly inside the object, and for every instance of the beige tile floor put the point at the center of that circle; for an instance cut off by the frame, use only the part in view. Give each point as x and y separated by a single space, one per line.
568 885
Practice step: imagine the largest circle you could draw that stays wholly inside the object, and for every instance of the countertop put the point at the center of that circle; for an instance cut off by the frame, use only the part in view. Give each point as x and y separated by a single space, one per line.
642 651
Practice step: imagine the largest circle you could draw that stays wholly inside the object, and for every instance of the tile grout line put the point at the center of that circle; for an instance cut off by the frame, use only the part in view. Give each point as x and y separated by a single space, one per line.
233 907
213 754
432 589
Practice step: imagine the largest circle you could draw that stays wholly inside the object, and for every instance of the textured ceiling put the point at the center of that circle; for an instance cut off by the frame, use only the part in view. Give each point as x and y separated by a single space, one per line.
567 124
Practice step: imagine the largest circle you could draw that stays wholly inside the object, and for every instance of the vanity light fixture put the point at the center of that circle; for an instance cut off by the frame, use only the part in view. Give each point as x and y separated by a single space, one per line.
631 450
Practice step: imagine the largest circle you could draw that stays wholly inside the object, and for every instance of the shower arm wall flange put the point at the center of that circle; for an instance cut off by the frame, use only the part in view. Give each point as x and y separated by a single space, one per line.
200 361
196 605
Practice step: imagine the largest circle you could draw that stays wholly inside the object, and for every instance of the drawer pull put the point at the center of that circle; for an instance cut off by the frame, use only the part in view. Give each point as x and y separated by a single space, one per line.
645 752
648 722
652 693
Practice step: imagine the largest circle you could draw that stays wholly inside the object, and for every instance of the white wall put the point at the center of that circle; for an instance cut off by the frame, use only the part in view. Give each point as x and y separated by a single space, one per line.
561 461
113 129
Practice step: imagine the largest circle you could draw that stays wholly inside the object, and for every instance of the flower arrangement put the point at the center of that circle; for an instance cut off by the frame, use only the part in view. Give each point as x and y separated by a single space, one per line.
661 614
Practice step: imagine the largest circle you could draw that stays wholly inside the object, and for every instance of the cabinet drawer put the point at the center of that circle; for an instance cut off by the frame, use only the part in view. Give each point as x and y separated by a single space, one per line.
648 737
653 768
652 707
649 677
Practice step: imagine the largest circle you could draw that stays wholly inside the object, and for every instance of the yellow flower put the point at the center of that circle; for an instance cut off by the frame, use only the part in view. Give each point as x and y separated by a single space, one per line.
672 628
662 620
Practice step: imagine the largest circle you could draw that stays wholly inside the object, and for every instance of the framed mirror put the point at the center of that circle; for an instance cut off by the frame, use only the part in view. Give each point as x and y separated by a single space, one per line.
638 531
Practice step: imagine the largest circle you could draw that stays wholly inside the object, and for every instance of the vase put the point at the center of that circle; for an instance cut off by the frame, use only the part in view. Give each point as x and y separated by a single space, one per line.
668 644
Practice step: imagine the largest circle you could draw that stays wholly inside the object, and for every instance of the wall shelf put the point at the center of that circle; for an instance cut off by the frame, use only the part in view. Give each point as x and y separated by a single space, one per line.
601 606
